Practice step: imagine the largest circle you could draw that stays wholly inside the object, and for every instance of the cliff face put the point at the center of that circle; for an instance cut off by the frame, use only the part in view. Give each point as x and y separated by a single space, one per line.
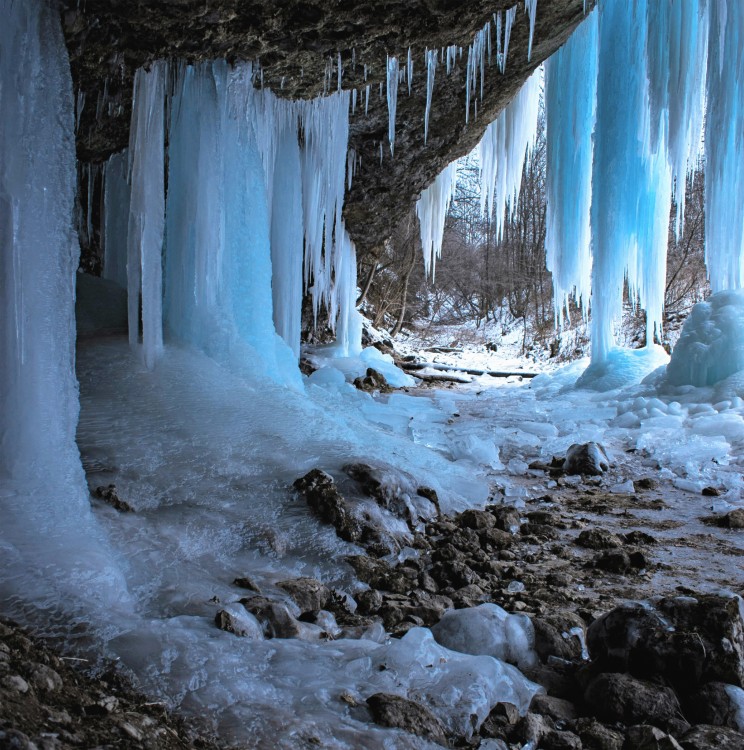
297 44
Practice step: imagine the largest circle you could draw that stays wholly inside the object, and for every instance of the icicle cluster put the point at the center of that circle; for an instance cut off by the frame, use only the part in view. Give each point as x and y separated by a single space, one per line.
431 210
431 68
503 150
502 47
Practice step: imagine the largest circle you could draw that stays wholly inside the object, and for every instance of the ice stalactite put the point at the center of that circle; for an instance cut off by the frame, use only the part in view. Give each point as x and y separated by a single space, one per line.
52 553
503 150
570 100
431 209
502 48
392 99
147 210
724 147
451 57
409 71
116 218
530 7
431 68
475 65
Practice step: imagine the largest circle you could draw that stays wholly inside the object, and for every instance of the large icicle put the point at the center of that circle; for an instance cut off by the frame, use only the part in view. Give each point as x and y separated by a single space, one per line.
431 209
570 102
431 67
147 210
631 184
392 98
530 7
503 149
116 218
724 147
53 555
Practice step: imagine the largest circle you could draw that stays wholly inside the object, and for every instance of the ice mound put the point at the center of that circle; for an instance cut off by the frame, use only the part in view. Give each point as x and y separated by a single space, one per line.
622 367
711 347
460 689
488 629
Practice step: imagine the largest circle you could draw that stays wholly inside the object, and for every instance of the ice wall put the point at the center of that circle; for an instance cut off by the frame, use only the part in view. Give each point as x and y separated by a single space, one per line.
51 550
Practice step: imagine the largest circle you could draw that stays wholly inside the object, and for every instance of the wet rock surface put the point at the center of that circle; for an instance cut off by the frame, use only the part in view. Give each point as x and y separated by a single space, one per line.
46 704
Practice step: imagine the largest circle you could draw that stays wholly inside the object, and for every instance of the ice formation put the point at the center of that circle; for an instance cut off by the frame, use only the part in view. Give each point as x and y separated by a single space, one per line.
116 218
724 147
570 96
711 347
476 65
392 98
52 550
431 67
431 209
502 49
147 211
530 7
503 150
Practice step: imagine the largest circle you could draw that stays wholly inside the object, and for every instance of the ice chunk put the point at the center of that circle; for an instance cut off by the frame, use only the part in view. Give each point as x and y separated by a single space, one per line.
488 629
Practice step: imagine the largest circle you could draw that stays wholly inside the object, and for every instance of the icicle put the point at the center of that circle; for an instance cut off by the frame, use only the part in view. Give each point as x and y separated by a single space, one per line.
451 57
354 95
503 150
431 66
380 153
570 108
476 64
724 147
392 99
431 209
116 194
147 210
365 71
340 72
409 71
366 98
530 7
502 51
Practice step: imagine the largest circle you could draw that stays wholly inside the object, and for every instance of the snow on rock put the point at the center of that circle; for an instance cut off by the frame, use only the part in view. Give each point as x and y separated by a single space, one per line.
488 629
711 347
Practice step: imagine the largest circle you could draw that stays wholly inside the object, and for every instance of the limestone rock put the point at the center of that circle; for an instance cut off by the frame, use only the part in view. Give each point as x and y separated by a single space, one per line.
308 594
324 499
703 737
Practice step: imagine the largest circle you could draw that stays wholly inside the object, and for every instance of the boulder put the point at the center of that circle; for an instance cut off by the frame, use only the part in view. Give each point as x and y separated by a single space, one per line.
715 703
621 697
685 641
703 737
645 737
308 594
599 539
390 710
589 459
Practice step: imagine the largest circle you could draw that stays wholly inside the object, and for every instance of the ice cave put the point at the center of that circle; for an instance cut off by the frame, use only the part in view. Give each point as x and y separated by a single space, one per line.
249 496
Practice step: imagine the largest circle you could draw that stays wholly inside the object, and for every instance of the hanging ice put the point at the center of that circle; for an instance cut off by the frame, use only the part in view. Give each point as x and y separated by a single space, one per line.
475 65
502 50
677 50
724 147
431 67
409 71
431 210
631 183
570 99
503 150
116 218
530 7
52 553
147 210
392 98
